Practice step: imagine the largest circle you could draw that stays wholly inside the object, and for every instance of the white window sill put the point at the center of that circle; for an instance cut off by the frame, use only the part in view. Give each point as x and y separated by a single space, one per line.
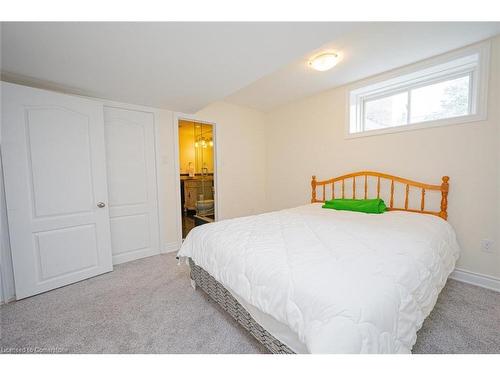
419 126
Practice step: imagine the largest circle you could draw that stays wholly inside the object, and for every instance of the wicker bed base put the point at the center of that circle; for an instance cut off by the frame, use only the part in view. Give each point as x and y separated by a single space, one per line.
221 295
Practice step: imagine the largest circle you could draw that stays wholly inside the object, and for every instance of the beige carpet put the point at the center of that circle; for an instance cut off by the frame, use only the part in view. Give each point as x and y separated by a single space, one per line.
148 306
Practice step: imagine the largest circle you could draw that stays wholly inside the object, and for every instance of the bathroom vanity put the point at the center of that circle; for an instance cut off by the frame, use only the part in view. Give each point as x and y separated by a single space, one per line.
195 188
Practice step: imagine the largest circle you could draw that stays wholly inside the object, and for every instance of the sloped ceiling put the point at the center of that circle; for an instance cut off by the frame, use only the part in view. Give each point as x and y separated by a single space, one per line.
185 66
368 50
178 66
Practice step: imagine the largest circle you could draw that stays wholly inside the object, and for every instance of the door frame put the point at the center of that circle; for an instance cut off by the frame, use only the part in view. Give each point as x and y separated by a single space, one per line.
187 117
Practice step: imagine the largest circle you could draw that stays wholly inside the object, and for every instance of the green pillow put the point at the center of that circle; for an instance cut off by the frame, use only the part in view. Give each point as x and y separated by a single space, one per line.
369 206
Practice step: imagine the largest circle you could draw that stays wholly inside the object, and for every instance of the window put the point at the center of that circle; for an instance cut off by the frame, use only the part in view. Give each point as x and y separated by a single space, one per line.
447 90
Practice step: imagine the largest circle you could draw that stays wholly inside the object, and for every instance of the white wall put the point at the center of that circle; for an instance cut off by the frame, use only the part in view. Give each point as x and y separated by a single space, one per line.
7 292
241 158
307 137
241 165
3 231
168 181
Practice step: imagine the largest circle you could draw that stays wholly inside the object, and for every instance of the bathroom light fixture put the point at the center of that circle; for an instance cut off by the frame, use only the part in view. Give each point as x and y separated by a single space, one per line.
203 142
324 62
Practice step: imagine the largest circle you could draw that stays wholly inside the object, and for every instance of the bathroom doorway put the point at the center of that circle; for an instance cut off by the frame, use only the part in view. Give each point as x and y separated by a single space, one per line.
196 173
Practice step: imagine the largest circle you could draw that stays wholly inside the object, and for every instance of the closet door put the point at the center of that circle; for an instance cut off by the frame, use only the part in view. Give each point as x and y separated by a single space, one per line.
133 203
55 184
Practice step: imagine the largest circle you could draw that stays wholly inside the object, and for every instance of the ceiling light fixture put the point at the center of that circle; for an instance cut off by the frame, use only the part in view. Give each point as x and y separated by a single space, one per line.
324 62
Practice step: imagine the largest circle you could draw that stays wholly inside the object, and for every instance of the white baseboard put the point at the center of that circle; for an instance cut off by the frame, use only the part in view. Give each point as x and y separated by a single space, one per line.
488 282
8 300
170 247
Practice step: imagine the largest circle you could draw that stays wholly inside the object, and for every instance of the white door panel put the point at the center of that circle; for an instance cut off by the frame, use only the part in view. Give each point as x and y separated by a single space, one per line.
54 167
74 256
61 185
130 155
127 240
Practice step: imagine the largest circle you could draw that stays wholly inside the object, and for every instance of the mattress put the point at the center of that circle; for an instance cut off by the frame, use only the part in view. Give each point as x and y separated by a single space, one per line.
326 281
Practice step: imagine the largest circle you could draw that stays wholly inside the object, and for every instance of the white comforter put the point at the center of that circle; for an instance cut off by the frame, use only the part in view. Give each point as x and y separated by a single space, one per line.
344 282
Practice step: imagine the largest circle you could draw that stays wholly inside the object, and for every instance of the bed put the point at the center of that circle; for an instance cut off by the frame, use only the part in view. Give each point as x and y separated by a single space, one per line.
314 280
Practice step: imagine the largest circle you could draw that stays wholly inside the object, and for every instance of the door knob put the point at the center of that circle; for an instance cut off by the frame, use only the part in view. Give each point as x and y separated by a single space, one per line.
101 204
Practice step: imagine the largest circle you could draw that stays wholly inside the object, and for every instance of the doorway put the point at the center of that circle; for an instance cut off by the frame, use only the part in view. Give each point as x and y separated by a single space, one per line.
196 173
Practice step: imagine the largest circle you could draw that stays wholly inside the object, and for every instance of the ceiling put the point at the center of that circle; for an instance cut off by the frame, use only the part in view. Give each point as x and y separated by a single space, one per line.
178 66
186 66
370 49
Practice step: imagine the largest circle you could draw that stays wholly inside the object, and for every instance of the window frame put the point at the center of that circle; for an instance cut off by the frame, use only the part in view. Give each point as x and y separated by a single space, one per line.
472 61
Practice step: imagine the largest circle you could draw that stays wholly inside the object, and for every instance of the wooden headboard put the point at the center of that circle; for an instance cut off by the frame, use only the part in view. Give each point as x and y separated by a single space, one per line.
443 188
